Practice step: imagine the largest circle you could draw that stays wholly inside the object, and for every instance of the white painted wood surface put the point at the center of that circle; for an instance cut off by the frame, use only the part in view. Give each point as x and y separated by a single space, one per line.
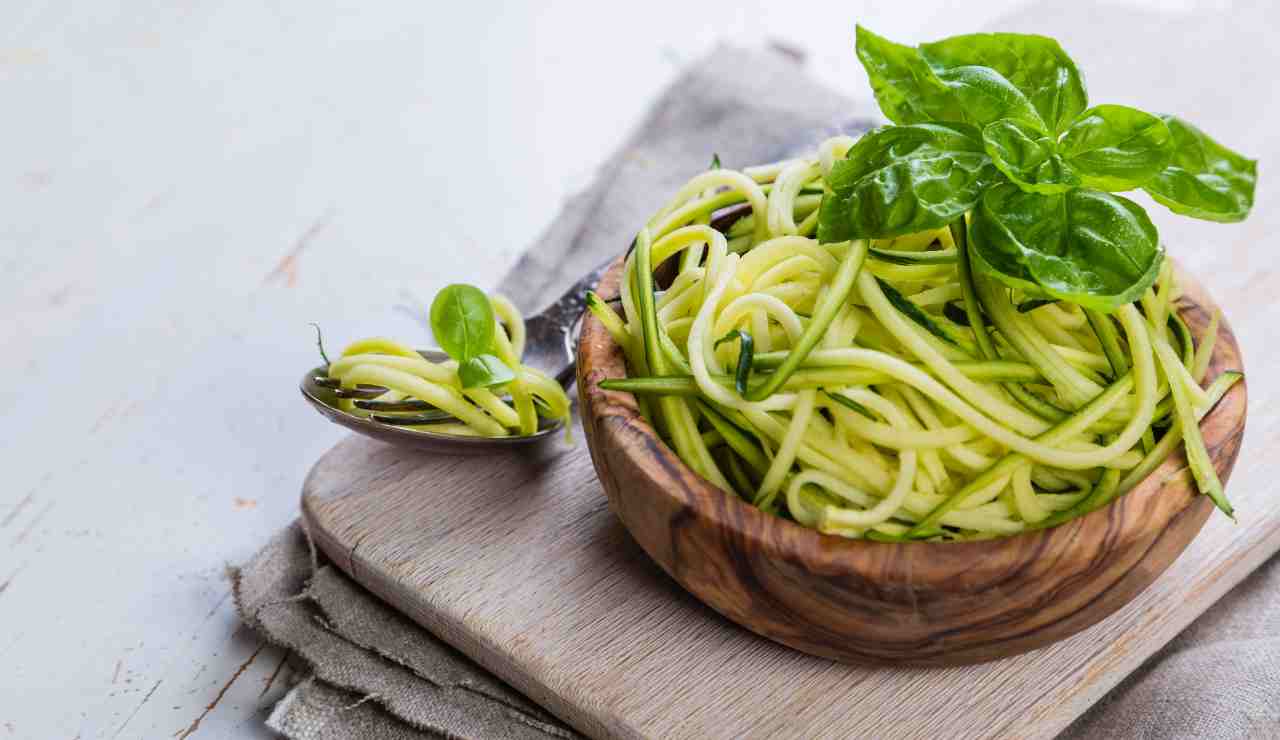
184 186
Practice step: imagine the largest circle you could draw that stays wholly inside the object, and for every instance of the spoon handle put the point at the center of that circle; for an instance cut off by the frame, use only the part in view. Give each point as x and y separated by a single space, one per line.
549 343
568 308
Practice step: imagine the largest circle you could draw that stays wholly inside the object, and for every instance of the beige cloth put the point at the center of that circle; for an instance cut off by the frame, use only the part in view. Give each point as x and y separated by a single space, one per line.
358 651
372 673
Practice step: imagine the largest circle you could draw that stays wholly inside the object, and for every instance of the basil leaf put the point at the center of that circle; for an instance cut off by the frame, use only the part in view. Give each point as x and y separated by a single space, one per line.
904 179
484 370
746 354
1204 179
954 82
1114 147
905 87
986 96
1084 246
1035 65
1028 157
463 321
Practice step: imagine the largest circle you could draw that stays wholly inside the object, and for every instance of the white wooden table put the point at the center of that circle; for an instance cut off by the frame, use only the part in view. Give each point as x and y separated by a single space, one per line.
184 186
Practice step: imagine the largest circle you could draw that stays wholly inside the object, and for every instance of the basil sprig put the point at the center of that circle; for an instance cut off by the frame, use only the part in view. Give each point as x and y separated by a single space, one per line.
999 126
464 324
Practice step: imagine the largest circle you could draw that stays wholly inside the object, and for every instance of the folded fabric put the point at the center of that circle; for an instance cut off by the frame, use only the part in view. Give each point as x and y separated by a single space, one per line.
354 646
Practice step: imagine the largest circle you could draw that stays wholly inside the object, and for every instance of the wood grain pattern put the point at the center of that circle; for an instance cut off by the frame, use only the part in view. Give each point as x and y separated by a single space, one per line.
520 563
918 603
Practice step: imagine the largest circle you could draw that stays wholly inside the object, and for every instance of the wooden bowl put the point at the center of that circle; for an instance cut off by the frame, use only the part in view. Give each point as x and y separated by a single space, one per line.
913 603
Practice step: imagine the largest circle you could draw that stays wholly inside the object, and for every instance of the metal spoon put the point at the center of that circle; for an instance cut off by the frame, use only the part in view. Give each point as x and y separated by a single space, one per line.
548 347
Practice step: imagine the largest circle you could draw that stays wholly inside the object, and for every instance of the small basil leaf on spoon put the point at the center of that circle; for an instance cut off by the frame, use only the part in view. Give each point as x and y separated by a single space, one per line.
905 179
463 321
1085 246
1035 65
1028 157
1204 179
484 370
1115 147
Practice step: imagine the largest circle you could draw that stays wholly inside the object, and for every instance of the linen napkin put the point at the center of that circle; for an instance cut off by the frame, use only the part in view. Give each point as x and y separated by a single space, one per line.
369 672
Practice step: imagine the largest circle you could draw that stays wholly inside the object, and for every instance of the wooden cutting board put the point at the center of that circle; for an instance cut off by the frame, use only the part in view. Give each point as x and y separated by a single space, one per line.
518 562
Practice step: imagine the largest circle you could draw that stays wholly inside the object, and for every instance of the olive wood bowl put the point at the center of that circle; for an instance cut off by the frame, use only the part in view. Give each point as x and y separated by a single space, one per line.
917 603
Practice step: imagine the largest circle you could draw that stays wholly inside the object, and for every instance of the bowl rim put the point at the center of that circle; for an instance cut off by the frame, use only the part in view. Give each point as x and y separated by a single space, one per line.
615 417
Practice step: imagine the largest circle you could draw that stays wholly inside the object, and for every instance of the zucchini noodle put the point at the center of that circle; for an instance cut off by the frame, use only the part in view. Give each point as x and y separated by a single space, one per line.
882 389
513 408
